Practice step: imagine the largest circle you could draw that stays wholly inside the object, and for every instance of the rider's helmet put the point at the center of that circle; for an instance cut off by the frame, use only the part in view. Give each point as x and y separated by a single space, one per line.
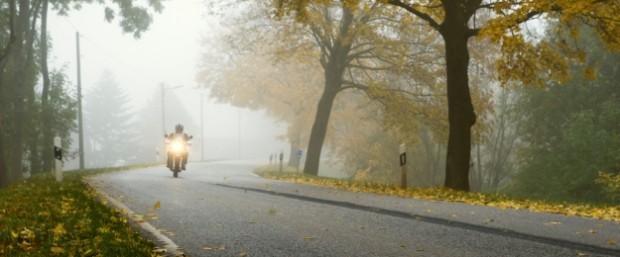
178 128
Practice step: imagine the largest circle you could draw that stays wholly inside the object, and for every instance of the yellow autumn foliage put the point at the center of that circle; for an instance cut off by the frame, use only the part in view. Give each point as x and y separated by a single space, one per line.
611 183
443 194
40 217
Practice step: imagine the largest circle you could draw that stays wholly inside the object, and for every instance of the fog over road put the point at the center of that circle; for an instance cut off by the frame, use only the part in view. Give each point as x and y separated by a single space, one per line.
223 209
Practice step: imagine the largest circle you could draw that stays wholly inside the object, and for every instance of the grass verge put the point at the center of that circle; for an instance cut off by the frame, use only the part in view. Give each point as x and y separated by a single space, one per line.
442 194
40 217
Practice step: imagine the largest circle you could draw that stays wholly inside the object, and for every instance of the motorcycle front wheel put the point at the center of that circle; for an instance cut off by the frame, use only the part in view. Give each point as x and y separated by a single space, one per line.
176 167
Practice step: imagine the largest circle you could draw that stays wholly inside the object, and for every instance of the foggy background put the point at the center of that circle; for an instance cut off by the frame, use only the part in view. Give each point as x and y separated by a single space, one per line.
166 54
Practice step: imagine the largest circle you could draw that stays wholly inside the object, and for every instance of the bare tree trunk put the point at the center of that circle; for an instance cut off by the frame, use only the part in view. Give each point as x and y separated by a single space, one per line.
18 55
23 93
46 112
319 130
334 71
461 114
5 173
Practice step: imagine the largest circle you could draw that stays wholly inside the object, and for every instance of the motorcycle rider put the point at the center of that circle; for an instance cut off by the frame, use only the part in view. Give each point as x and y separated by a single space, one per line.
178 133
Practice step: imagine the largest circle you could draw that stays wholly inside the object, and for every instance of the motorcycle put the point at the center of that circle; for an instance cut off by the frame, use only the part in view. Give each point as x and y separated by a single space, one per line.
177 150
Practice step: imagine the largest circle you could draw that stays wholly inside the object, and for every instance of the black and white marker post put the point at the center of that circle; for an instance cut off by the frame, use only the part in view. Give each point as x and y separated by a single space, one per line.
58 158
281 158
299 154
403 165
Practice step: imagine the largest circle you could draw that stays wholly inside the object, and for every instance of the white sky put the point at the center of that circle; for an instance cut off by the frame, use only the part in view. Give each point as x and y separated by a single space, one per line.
167 53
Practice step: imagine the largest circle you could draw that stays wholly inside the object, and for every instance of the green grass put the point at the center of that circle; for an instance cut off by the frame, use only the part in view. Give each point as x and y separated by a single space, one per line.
40 217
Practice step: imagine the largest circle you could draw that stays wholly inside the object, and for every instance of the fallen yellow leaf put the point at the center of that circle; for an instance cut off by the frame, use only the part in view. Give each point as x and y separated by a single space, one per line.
59 230
57 250
90 253
159 250
210 248
157 205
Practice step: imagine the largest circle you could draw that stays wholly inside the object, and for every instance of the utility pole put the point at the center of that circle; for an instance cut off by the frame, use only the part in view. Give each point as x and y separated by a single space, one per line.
163 110
239 135
79 96
202 129
163 121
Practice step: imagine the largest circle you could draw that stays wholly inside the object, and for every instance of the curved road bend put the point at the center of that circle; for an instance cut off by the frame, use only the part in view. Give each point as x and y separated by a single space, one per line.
222 209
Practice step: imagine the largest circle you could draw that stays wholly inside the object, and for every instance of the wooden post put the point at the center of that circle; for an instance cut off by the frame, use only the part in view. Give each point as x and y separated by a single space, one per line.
58 159
281 158
299 154
403 165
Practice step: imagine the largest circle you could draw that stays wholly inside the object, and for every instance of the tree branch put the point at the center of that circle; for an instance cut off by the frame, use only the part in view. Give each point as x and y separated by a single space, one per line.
422 15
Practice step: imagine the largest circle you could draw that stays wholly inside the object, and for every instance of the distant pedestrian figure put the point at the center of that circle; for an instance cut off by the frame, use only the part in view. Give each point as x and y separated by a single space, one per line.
270 158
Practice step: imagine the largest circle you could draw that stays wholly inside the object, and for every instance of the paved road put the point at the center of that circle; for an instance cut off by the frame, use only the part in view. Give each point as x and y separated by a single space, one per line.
222 209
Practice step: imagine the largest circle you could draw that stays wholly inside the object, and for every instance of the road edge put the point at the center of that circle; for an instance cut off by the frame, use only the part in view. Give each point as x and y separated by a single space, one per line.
160 240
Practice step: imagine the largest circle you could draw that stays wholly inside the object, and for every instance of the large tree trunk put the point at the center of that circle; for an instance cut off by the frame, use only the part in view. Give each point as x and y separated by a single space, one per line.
24 92
335 65
5 173
18 56
319 130
461 114
46 117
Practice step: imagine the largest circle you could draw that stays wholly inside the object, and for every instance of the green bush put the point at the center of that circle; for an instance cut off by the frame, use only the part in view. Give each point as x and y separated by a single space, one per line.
611 184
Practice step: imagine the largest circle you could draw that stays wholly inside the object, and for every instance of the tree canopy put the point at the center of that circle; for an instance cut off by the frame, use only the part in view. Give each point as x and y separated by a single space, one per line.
521 59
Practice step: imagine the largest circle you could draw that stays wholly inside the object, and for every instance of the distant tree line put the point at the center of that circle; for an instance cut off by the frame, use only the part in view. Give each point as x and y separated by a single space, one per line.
116 134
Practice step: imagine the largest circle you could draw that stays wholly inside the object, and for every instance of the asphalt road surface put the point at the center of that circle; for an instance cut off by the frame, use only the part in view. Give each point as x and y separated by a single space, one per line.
223 209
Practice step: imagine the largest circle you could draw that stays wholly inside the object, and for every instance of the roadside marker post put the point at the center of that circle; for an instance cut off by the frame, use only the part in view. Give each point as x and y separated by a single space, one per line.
58 159
281 158
403 165
299 154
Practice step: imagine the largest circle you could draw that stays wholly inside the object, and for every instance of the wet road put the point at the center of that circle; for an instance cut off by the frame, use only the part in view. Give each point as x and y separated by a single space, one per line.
223 209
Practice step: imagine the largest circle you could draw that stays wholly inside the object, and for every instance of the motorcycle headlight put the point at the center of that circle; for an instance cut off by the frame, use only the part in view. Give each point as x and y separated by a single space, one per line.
177 146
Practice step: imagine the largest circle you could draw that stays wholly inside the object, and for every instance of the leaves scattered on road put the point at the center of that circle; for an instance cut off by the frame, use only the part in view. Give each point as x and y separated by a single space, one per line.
442 194
214 248
272 212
